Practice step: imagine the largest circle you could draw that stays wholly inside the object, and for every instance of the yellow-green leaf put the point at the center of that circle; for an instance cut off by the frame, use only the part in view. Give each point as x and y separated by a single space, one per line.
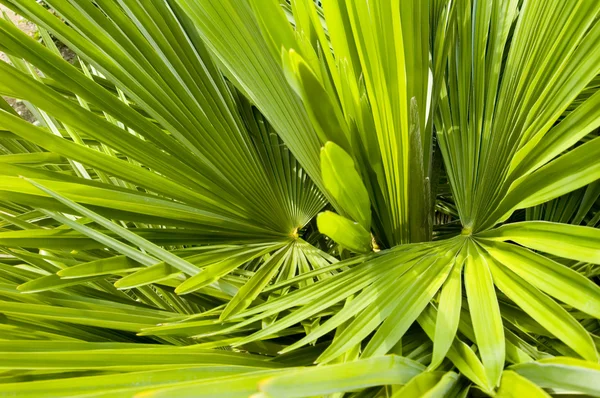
349 234
345 184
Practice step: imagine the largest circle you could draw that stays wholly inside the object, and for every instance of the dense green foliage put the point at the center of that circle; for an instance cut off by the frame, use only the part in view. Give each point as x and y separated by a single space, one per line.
346 198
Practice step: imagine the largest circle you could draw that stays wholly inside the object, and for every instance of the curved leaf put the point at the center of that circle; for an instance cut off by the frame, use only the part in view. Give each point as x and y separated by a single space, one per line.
568 374
345 184
513 385
342 377
545 311
345 232
563 240
485 313
549 276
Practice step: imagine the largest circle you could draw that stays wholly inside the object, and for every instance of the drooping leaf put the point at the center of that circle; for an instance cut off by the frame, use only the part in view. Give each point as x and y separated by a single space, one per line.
568 374
345 184
342 377
569 241
345 232
514 385
549 276
485 313
544 310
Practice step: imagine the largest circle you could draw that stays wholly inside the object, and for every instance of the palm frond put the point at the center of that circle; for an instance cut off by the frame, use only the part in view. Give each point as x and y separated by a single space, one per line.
271 198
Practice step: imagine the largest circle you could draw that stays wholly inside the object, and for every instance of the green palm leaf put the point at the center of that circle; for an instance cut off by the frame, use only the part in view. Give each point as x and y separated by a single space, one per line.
347 198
